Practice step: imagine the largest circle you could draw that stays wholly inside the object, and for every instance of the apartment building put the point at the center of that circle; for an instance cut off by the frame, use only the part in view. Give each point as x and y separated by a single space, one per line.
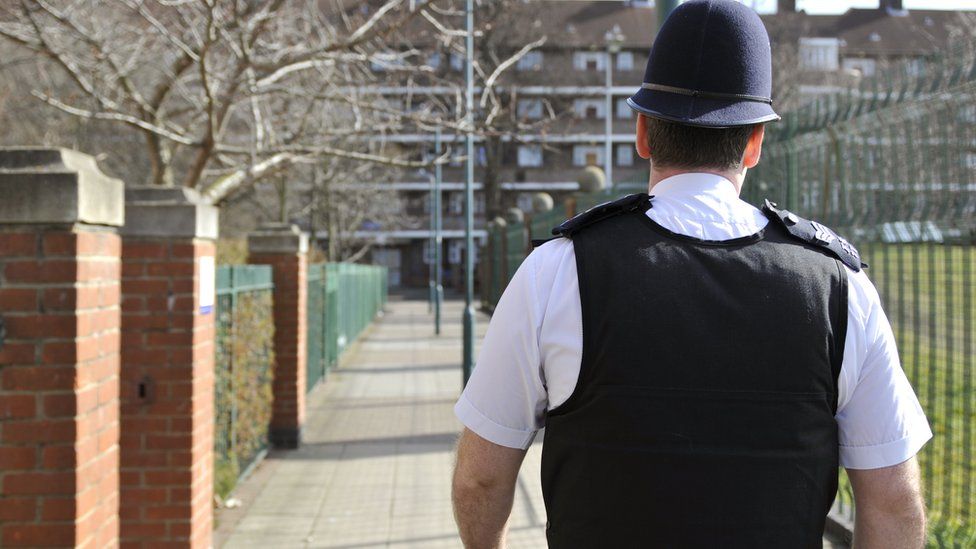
559 91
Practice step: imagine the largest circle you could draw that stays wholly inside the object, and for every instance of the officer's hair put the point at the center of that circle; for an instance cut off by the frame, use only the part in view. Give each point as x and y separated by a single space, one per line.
676 145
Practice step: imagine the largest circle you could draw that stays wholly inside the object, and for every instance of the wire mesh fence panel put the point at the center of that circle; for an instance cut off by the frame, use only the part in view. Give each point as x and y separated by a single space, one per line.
244 362
350 297
892 167
516 247
316 340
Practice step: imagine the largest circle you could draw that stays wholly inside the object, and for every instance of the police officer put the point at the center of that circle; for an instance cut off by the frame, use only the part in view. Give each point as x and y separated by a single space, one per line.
701 367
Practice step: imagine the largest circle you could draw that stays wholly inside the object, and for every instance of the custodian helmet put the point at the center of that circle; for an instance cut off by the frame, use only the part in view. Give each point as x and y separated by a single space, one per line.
710 66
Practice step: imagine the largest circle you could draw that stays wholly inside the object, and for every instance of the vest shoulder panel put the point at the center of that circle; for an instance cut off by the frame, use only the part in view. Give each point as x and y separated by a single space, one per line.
632 202
816 234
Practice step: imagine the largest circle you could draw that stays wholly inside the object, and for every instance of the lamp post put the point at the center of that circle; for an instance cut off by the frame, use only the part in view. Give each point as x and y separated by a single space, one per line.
438 241
614 39
429 256
467 359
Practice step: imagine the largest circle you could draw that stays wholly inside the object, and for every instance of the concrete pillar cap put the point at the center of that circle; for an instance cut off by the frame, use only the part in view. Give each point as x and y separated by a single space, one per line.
55 186
157 211
277 238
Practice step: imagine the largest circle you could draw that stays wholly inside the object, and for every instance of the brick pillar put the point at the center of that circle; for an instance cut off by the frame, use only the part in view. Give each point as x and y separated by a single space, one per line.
59 358
167 368
285 248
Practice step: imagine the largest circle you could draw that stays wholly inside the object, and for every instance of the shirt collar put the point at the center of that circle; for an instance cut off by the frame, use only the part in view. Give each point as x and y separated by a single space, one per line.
691 185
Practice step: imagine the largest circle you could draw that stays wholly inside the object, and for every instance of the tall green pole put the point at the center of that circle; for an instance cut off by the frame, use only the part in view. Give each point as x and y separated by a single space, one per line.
664 8
438 242
467 362
431 288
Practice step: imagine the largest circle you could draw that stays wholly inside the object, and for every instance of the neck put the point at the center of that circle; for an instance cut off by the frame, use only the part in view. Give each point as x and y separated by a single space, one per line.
736 177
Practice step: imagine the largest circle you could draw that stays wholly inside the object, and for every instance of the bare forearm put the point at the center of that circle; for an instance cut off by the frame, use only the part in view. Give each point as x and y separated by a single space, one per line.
877 529
482 514
889 510
483 490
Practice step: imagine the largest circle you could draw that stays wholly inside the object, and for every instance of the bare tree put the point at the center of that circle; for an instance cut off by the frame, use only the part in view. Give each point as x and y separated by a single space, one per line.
221 92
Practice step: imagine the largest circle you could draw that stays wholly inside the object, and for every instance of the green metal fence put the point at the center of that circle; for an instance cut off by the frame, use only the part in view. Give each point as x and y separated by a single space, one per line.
508 245
244 358
343 298
892 166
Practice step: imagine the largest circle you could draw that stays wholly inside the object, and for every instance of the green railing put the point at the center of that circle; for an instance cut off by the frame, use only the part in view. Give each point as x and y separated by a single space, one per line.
343 298
244 358
508 245
892 166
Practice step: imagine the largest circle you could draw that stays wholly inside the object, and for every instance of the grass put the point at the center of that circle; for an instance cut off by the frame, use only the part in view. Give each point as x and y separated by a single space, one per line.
929 293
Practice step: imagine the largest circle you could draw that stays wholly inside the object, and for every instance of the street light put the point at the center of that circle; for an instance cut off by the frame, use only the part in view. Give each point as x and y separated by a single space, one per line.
438 241
467 359
614 39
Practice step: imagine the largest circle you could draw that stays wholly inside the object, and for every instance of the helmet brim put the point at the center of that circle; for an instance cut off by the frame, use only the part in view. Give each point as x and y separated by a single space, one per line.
699 111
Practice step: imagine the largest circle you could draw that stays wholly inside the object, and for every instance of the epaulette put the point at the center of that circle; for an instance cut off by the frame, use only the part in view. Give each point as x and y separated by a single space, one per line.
629 203
814 233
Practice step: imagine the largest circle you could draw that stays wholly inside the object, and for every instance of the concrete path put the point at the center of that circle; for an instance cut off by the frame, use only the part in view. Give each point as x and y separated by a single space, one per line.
375 467
374 470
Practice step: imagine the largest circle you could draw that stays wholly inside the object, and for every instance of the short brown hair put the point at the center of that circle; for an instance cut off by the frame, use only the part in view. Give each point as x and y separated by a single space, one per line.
676 145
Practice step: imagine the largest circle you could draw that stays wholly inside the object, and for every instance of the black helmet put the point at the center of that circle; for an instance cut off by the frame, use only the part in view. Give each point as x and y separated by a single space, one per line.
710 66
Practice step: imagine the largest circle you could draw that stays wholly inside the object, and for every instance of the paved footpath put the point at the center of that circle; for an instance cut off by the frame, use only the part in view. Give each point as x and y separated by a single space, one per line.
375 466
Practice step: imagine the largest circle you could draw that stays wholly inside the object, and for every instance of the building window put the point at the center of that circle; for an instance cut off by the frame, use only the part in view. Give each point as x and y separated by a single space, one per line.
819 54
457 157
625 61
455 203
587 155
866 67
967 114
457 61
529 108
969 161
589 108
531 61
530 156
455 251
589 60
382 62
623 109
625 155
524 202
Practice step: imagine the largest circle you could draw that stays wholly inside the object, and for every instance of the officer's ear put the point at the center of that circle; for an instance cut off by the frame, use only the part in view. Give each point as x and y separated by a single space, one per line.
643 148
754 147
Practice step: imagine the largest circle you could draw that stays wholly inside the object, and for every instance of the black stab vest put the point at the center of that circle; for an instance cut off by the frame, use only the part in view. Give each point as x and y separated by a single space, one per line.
704 411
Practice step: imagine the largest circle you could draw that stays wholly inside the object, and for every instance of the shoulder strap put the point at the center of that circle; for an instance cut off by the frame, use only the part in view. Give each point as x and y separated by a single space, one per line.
816 234
629 203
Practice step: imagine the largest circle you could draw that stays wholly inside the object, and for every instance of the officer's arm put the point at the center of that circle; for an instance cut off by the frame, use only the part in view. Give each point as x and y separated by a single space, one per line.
484 487
890 510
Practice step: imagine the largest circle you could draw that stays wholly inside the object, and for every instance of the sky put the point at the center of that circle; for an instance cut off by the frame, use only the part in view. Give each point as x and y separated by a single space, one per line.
840 6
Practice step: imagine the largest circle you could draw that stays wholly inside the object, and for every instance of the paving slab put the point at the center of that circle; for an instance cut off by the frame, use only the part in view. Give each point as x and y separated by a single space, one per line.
375 465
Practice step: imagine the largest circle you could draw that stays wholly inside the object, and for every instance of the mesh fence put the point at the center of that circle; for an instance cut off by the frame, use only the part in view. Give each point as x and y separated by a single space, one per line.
245 354
891 165
343 298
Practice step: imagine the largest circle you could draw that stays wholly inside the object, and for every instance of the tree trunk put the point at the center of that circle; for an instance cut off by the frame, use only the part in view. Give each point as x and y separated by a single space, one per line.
492 184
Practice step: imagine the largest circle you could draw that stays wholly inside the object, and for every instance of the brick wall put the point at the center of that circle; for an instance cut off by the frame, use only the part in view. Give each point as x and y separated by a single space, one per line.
59 388
167 395
290 272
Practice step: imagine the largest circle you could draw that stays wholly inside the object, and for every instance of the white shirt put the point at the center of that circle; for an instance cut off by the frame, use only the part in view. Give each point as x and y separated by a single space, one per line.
530 358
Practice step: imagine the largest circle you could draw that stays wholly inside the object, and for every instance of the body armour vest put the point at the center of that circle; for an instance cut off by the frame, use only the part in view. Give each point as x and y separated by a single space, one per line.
704 411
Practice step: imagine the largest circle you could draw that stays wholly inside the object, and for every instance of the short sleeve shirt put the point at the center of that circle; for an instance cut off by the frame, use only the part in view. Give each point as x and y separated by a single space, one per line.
530 358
